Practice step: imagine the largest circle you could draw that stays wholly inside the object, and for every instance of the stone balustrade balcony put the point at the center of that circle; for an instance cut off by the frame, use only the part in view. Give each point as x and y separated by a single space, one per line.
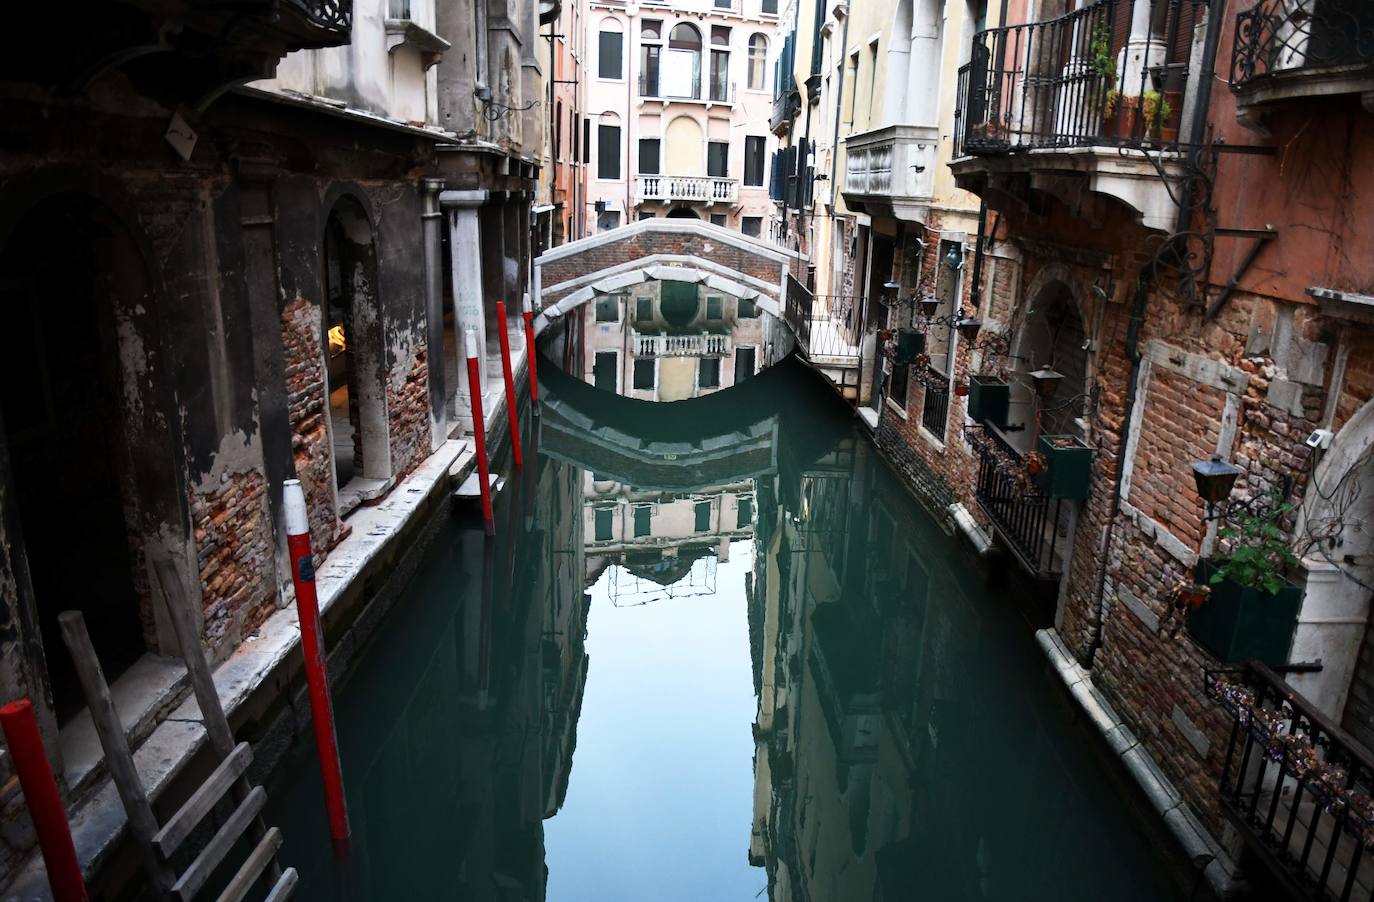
692 188
891 171
701 345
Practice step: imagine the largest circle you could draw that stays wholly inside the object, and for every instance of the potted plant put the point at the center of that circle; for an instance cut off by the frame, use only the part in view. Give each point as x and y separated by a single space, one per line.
1102 69
1068 466
989 399
1253 608
1158 112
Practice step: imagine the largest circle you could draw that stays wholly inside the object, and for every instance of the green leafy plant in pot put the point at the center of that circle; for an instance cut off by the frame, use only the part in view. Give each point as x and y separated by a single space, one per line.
1252 610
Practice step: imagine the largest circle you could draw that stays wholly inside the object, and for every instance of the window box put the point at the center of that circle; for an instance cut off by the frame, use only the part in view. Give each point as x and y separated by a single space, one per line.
989 400
1068 467
910 345
1238 623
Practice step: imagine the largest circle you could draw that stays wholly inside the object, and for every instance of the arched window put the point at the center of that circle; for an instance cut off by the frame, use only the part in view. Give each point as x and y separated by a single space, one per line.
610 50
758 61
682 65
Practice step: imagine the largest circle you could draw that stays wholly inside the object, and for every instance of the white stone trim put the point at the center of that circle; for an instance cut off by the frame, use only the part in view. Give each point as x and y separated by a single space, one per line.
700 228
675 261
1153 529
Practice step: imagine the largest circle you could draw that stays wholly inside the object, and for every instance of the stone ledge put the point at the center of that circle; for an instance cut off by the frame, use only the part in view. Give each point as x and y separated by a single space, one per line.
1195 841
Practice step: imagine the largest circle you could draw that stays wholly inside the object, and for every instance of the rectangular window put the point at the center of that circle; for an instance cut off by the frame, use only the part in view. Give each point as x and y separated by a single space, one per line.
609 58
744 364
718 159
709 373
605 520
744 512
608 220
718 219
608 151
724 4
703 516
720 75
644 307
644 374
604 370
649 150
897 384
648 69
770 7
646 214
713 308
587 140
753 160
746 309
608 309
751 226
642 516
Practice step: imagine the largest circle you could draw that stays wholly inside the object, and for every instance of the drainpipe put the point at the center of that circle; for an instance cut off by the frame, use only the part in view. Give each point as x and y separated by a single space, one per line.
1197 129
432 221
976 289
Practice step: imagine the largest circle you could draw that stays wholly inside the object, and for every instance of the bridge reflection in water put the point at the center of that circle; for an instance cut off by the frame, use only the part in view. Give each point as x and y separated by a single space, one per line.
714 650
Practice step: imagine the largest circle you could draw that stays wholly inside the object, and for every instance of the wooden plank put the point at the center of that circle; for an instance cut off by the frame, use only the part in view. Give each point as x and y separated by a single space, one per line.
188 637
253 866
219 845
119 760
284 887
180 825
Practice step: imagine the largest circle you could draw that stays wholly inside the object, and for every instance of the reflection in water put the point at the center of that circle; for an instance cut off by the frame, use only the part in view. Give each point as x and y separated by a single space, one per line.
715 652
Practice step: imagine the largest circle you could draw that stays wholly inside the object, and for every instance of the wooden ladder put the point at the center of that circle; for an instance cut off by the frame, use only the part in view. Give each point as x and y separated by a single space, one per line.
158 843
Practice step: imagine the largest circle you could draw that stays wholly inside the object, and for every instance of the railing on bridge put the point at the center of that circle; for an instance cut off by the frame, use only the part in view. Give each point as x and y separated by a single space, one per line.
1029 521
700 345
797 311
1297 787
704 189
1111 73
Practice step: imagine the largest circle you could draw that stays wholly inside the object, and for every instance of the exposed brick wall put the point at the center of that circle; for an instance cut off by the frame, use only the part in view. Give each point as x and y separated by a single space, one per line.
305 395
235 551
408 410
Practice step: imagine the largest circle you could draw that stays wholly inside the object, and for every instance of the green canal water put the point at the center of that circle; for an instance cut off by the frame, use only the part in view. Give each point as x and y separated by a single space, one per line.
716 652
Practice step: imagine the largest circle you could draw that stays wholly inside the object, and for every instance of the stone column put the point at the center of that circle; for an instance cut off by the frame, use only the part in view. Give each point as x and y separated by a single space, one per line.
431 223
513 246
493 262
465 245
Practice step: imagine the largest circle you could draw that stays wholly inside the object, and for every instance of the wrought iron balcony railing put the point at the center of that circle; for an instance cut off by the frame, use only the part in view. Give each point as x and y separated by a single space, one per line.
1298 788
1030 522
1277 37
668 188
326 15
1113 73
935 406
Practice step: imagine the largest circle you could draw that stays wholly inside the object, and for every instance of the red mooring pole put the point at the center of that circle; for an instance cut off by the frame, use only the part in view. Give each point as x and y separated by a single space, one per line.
479 429
512 416
316 670
529 354
44 801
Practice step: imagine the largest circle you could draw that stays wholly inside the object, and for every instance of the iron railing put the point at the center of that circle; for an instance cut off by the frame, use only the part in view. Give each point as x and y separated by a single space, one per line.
1027 520
935 406
333 15
1113 73
1281 36
797 310
1296 786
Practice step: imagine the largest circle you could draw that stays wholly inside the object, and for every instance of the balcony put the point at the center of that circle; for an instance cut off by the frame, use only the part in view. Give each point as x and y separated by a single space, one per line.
1032 524
702 345
1288 50
691 188
891 171
1095 93
1296 787
651 88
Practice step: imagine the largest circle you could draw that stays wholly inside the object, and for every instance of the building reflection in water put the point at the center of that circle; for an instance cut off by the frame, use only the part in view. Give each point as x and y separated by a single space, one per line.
904 744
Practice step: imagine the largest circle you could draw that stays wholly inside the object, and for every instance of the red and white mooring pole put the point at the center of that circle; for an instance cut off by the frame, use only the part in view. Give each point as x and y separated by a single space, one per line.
316 669
512 416
479 429
529 353
44 801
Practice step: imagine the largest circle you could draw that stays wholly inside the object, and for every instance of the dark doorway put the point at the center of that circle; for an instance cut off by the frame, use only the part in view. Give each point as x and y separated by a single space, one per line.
65 432
604 370
744 364
682 213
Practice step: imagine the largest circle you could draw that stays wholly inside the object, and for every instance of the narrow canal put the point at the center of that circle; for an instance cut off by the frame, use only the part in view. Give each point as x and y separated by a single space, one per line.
716 652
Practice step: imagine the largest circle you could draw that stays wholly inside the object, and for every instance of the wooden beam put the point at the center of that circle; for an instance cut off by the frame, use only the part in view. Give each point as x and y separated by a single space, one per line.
253 866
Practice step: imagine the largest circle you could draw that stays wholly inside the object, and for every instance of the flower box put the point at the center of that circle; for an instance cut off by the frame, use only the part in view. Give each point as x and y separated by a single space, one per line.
1068 467
989 399
1239 623
910 344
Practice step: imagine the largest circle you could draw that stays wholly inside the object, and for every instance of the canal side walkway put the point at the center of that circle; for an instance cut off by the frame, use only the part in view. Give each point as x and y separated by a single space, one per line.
253 680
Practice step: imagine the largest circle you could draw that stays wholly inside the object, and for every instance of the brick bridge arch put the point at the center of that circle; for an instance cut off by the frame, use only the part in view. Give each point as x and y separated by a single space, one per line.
661 249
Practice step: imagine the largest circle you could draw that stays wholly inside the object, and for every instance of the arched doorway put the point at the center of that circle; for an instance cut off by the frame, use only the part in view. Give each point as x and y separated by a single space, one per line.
683 148
71 280
354 349
1053 336
682 213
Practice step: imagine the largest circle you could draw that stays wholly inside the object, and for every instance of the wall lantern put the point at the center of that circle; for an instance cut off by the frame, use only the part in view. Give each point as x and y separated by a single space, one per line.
968 327
890 289
1214 478
929 305
954 258
599 207
1046 382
